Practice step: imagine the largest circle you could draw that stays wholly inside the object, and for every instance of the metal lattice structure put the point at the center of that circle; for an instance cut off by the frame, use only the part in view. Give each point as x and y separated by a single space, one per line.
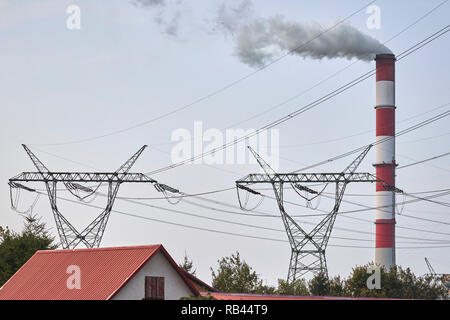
430 267
307 248
90 236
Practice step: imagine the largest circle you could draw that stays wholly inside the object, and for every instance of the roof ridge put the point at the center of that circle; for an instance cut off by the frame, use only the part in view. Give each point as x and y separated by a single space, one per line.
152 246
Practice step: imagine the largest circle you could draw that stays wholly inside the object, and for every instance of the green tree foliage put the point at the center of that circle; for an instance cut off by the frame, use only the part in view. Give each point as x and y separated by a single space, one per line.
319 285
336 287
17 248
235 275
298 287
188 265
395 283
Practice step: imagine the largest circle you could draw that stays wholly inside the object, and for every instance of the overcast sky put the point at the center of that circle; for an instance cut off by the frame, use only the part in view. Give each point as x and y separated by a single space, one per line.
130 61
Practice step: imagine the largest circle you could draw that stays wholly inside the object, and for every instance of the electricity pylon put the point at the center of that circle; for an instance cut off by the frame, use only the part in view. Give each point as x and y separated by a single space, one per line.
92 235
307 248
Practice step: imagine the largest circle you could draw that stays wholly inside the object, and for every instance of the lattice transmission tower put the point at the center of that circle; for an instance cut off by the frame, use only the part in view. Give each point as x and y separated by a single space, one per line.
91 235
307 248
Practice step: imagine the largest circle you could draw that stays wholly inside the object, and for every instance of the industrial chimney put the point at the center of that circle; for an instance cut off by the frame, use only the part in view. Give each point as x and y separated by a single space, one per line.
385 160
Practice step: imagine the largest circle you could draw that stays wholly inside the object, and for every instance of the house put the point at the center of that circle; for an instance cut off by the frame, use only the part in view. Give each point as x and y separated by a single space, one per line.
199 284
118 273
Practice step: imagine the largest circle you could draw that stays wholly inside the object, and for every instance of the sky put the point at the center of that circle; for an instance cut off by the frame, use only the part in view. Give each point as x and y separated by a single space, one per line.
135 73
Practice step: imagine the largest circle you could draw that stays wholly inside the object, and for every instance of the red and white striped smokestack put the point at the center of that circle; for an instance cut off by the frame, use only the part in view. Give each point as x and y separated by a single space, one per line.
385 160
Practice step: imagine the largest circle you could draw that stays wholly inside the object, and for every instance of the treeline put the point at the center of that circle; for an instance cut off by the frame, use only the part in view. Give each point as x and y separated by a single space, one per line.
235 275
17 248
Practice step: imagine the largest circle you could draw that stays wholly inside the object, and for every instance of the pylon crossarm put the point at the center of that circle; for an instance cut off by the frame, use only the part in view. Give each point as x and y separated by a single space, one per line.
255 178
81 177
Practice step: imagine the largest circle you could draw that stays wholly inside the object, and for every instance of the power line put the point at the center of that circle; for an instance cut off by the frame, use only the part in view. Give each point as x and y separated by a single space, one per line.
244 214
304 216
368 131
309 223
182 195
220 220
373 195
226 232
220 190
290 99
423 139
189 195
410 216
348 66
239 213
422 43
309 106
402 132
216 92
67 159
425 160
368 208
401 203
445 204
326 79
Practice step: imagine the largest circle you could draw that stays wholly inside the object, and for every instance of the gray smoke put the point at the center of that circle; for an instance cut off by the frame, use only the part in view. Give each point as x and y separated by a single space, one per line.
229 18
149 3
167 14
265 39
232 18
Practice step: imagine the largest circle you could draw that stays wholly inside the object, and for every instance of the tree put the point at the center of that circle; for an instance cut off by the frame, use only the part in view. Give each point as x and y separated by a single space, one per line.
235 275
188 265
395 283
337 287
295 288
319 285
16 249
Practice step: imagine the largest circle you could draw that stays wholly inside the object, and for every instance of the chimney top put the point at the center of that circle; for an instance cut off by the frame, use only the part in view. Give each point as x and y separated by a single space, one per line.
385 56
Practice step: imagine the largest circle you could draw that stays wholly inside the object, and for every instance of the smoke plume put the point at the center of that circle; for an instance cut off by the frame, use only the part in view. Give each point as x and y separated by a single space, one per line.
167 14
171 15
265 39
231 19
149 3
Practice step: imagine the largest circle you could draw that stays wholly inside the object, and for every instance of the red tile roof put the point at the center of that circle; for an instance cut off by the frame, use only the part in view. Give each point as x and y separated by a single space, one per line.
104 271
199 284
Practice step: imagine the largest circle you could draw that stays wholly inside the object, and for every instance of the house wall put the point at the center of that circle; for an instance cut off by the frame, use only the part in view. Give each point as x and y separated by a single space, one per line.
157 266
